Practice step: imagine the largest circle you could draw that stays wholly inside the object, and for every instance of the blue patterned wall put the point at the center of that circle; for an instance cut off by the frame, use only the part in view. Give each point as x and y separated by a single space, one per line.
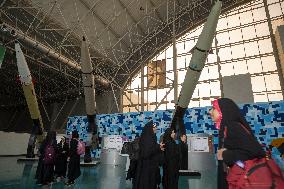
266 119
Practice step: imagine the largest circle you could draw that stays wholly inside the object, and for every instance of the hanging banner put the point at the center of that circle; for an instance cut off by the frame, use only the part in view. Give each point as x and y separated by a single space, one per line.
157 74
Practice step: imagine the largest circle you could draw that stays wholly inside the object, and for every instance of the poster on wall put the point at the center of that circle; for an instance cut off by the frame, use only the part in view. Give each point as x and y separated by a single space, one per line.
199 144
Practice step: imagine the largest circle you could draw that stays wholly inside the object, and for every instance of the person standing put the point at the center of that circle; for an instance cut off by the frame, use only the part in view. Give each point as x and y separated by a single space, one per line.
61 159
240 151
148 173
171 160
74 162
183 152
45 169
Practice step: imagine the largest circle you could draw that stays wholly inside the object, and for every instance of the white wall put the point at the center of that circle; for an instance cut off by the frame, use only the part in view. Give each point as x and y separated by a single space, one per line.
16 143
13 143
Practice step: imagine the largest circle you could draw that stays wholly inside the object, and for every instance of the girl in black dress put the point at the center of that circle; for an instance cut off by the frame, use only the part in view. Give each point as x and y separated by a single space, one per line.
148 173
61 159
74 162
171 160
45 169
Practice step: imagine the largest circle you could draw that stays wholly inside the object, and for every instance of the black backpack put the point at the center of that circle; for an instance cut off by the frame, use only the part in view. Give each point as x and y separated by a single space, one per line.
132 149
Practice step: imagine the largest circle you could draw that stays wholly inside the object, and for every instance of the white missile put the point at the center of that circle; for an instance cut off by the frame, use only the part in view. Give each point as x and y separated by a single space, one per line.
88 79
89 92
30 95
199 56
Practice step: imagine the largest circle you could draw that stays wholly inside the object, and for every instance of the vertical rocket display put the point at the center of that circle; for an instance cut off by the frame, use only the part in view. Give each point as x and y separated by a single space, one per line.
197 62
89 92
31 99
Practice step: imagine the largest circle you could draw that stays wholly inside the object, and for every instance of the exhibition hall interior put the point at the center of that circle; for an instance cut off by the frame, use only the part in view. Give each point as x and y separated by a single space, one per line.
141 94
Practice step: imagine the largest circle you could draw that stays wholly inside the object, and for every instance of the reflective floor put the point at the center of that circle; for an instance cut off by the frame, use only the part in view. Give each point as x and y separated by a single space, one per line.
15 175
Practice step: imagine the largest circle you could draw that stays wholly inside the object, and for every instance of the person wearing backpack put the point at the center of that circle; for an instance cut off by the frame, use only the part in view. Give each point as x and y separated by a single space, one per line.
45 169
74 162
133 150
240 152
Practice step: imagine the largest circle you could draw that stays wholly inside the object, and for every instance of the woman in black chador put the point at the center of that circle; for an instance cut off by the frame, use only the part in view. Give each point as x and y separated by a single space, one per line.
61 159
183 153
171 160
45 168
148 173
237 144
74 162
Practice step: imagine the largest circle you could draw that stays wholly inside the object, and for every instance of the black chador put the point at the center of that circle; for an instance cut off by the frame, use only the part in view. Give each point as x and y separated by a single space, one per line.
61 159
171 161
148 173
74 164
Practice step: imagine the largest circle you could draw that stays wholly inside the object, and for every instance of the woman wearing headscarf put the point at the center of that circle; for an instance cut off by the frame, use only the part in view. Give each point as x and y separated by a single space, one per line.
74 162
45 169
183 152
237 144
61 159
171 160
148 173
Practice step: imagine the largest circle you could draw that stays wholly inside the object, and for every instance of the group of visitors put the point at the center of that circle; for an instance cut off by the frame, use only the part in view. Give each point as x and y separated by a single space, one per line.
53 160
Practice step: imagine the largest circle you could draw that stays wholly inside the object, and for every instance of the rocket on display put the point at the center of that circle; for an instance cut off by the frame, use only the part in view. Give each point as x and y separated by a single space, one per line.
197 62
31 99
89 92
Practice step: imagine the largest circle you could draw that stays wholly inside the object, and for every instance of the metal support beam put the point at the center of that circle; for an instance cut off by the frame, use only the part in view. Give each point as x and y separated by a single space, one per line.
273 42
46 65
131 102
161 102
156 12
3 2
103 22
131 16
49 52
142 87
219 67
175 61
114 96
